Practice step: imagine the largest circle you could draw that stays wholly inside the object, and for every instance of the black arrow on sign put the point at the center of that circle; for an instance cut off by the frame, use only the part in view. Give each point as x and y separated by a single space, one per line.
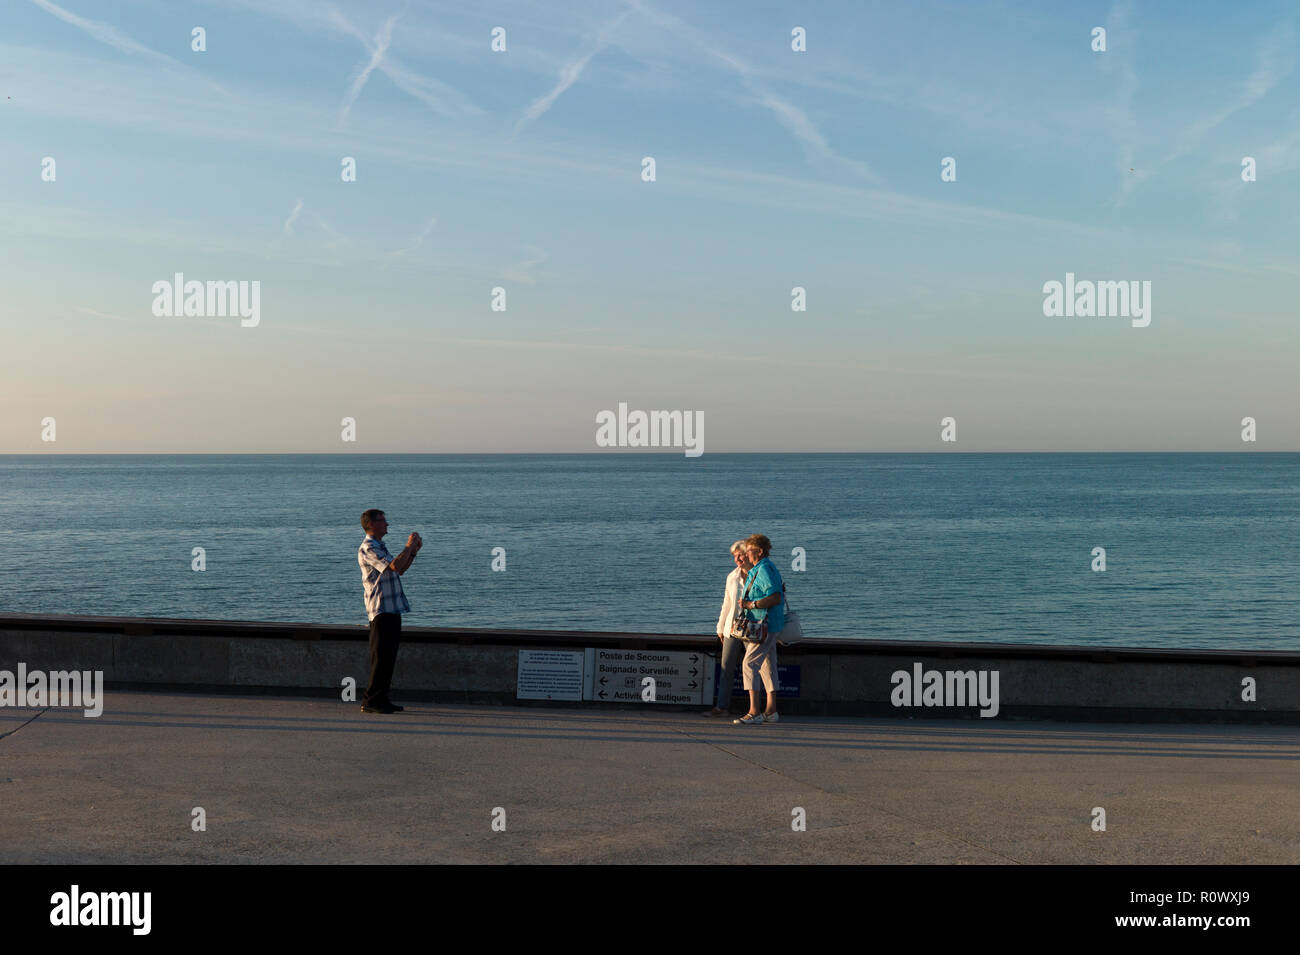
604 680
601 694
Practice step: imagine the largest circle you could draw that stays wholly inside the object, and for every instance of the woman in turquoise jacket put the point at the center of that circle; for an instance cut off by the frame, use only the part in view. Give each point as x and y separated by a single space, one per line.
763 601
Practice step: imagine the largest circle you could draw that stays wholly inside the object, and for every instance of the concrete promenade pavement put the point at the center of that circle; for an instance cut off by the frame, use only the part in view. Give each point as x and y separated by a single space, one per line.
307 780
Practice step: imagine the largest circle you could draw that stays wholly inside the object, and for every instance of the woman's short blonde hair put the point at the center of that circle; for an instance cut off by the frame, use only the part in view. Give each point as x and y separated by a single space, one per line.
739 545
760 541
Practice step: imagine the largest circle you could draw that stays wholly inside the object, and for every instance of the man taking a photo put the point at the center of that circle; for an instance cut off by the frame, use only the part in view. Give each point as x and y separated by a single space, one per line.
385 603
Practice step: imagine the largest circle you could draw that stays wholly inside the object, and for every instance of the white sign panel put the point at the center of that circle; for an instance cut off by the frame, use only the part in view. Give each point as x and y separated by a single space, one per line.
550 675
624 676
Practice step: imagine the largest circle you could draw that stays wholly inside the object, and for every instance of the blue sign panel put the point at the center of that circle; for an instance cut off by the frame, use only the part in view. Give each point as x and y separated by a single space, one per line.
787 678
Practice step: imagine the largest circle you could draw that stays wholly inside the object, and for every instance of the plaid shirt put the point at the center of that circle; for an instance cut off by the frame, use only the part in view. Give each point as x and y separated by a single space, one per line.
383 587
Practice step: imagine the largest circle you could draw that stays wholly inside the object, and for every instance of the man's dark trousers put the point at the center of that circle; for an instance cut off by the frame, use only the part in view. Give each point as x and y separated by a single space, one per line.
385 635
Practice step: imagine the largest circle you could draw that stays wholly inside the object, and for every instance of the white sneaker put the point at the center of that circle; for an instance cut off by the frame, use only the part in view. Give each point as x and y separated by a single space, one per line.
756 718
771 717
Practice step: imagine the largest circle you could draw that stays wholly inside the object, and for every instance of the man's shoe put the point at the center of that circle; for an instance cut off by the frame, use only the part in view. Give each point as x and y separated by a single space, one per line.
396 708
377 708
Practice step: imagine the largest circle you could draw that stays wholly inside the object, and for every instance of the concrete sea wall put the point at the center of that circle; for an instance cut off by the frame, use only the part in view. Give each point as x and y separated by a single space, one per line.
837 677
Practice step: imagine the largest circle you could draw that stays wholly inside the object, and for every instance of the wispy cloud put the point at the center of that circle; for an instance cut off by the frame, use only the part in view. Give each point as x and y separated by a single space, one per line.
1275 58
110 35
382 40
1250 267
524 272
436 95
684 29
416 241
286 231
316 16
293 217
804 130
569 74
104 33
1282 155
336 237
95 313
1278 157
795 120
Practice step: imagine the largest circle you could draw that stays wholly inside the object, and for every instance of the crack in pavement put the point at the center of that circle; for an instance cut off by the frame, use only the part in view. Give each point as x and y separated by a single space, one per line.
25 722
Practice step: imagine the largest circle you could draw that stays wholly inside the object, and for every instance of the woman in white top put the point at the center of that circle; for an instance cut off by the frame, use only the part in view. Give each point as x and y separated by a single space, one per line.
732 649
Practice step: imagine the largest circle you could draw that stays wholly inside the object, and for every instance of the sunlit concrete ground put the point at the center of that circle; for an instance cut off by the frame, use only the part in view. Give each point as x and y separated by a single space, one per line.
285 779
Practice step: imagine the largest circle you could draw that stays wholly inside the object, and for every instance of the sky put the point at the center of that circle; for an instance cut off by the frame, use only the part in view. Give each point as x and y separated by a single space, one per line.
523 170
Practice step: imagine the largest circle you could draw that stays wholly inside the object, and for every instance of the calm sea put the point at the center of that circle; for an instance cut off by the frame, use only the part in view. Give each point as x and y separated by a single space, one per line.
1202 550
